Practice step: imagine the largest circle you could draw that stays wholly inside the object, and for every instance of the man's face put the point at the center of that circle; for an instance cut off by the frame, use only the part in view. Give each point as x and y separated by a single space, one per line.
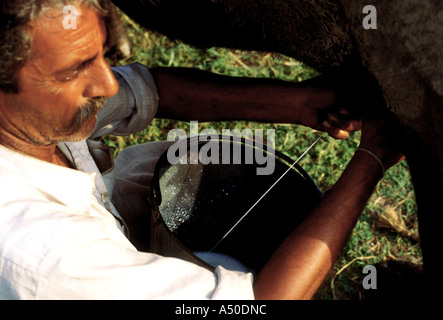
63 84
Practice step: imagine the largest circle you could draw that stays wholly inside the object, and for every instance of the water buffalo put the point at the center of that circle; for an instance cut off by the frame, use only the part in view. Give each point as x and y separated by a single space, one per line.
399 64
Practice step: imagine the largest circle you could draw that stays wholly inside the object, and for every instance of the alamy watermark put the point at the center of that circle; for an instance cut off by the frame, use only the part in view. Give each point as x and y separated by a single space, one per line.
70 19
258 151
370 281
370 20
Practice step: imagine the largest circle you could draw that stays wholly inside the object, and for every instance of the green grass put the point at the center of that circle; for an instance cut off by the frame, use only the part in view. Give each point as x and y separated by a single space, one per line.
370 242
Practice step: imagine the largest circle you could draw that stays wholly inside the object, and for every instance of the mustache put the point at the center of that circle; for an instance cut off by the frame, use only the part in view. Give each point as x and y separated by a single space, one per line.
91 108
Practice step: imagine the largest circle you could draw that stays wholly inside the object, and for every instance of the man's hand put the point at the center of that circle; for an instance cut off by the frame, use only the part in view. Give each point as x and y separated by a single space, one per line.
379 135
316 104
337 122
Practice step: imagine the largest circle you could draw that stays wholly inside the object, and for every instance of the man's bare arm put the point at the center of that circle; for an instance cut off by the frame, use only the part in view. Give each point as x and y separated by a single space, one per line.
189 94
299 266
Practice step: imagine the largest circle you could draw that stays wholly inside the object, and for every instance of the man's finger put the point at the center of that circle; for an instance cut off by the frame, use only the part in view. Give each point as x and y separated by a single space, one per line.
346 124
334 131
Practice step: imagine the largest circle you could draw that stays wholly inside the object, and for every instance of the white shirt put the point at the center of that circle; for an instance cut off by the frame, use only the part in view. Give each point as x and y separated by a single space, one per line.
61 238
58 242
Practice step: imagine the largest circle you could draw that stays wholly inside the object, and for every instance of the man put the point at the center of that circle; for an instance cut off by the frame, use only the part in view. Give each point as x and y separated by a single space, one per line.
60 235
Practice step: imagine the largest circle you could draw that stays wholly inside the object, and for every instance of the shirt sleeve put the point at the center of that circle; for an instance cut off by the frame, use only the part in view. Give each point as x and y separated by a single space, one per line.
133 107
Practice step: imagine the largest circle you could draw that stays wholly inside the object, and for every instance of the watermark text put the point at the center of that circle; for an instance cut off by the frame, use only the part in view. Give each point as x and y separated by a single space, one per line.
209 153
70 19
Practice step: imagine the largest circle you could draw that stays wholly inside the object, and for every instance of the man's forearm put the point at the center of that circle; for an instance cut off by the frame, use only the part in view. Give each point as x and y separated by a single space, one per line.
299 266
190 94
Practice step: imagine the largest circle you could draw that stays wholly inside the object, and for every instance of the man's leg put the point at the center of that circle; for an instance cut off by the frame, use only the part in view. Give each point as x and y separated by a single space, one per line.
133 173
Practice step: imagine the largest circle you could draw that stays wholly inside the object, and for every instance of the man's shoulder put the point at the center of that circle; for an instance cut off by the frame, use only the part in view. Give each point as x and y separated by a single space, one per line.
13 184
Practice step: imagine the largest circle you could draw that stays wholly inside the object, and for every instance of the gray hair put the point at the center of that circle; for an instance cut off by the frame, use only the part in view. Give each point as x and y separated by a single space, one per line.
15 42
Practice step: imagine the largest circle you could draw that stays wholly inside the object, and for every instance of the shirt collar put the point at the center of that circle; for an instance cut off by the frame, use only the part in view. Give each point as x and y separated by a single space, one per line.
68 186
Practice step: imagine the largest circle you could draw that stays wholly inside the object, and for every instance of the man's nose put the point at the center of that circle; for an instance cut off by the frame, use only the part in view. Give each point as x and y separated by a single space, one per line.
102 82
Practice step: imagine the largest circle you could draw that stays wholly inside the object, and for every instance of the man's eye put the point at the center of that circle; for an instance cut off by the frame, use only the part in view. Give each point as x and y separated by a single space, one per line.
65 79
68 76
71 75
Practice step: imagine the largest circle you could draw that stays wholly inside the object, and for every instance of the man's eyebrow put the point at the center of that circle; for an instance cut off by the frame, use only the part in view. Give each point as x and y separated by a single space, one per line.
77 65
